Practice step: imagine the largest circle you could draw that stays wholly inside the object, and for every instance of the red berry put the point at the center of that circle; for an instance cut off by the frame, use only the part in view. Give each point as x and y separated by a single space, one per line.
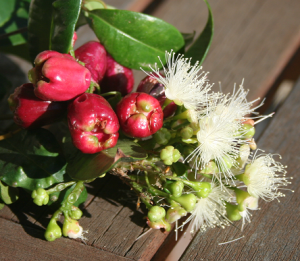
153 87
93 123
117 78
140 115
58 77
93 54
30 111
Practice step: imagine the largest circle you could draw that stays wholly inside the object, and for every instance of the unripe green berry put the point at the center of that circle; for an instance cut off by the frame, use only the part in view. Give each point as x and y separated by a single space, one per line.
247 131
70 226
75 213
156 213
162 136
160 224
187 201
175 188
232 212
53 231
186 132
169 155
175 213
40 197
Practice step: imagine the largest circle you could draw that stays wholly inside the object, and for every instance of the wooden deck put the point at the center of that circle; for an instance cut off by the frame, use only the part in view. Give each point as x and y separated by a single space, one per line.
254 40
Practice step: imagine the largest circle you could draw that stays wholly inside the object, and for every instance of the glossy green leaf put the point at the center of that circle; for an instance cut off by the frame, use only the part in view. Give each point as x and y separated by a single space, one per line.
179 168
8 194
89 166
134 39
31 160
39 26
13 29
201 45
188 37
65 15
6 10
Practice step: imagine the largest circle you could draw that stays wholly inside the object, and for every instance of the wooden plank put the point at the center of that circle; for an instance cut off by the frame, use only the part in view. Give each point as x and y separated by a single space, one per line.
253 39
274 231
26 243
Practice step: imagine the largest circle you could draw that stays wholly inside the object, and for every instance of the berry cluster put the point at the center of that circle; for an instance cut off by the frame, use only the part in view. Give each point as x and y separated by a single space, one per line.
63 83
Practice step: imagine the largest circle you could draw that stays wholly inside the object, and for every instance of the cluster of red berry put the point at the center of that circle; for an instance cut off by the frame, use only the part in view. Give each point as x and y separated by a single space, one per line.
62 83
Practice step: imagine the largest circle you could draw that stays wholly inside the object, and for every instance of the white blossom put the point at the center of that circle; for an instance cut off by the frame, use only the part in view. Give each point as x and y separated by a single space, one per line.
210 211
184 83
264 177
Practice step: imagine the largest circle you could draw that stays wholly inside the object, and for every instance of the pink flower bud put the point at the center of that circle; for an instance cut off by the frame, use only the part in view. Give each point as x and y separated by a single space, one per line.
140 115
58 77
30 111
93 123
93 54
117 78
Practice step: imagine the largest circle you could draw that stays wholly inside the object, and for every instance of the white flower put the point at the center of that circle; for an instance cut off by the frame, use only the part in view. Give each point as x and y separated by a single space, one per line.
249 203
210 211
183 83
264 177
218 139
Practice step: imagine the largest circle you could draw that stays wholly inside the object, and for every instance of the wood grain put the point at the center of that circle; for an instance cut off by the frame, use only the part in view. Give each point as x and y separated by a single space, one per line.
25 243
274 231
253 40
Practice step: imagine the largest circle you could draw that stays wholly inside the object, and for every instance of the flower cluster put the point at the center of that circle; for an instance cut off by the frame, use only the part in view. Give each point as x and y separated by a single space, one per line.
198 142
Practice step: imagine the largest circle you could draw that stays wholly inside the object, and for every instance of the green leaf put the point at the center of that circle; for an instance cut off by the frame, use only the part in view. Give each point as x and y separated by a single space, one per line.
200 47
134 39
31 160
188 37
39 26
179 168
14 20
89 166
65 15
6 10
51 25
8 194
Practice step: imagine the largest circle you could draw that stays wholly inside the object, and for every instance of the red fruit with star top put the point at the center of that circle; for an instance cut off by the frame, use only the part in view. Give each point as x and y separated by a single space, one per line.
93 123
58 77
140 115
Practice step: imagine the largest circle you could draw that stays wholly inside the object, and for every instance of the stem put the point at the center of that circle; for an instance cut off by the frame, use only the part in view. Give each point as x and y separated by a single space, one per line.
109 94
10 134
20 30
166 103
73 197
60 187
154 191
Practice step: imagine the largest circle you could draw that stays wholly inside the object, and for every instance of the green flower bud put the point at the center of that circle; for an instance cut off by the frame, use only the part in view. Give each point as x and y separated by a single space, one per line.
233 212
175 213
159 224
75 213
162 136
187 201
210 168
175 188
227 164
202 189
247 131
53 231
186 132
245 200
156 213
169 155
40 197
